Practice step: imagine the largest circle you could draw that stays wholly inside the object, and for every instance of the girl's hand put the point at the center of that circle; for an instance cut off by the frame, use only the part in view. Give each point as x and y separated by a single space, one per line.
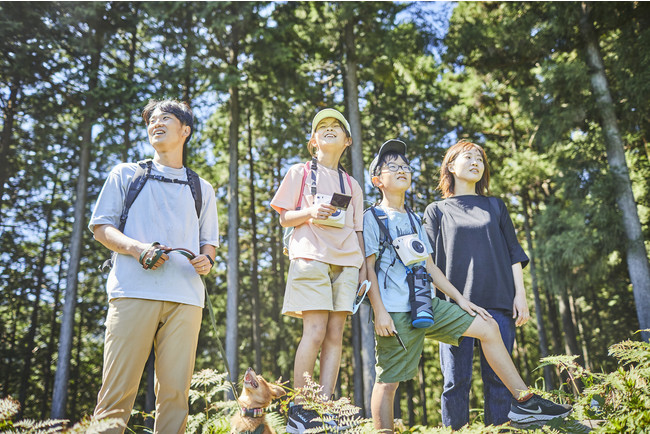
201 264
520 309
472 309
384 325
363 273
321 211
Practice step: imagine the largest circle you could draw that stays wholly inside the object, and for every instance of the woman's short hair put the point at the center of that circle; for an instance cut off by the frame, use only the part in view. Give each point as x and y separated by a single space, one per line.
446 184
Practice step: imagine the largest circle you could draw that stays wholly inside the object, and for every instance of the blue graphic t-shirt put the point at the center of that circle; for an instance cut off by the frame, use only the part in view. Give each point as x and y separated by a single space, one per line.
392 279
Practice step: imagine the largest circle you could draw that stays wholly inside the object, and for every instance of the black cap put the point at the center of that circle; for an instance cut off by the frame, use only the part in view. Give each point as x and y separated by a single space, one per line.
392 145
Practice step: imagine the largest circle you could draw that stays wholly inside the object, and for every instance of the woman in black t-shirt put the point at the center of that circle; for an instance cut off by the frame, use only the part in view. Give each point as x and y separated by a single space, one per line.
475 245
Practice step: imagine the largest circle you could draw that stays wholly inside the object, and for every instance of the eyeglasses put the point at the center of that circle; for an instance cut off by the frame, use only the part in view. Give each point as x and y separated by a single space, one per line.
393 167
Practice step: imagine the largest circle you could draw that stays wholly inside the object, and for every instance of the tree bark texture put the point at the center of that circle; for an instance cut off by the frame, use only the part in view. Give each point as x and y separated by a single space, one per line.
61 377
255 286
637 257
366 329
232 276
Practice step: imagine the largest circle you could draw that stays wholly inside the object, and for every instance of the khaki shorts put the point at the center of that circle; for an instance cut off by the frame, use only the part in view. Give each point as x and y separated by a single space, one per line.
394 364
315 285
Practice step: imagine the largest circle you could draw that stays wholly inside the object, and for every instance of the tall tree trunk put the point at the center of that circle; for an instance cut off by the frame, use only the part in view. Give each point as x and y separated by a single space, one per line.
133 45
637 257
279 282
254 290
6 138
150 393
76 367
570 335
60 394
47 364
33 324
409 401
362 325
423 391
585 336
232 275
539 311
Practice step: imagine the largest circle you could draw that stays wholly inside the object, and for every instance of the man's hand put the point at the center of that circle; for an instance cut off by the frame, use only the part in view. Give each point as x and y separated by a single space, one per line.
151 252
201 264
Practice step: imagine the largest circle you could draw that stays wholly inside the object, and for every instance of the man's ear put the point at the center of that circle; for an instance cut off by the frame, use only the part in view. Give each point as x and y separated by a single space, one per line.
376 182
187 130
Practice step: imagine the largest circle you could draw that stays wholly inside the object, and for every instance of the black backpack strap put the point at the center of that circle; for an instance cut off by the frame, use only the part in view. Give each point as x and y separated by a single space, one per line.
379 216
385 240
137 183
195 187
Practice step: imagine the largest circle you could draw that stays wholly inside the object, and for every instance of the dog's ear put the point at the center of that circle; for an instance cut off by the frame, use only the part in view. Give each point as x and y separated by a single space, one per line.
277 391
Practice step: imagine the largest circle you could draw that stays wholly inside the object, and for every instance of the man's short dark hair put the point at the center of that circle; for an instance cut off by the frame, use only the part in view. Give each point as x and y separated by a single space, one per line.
181 110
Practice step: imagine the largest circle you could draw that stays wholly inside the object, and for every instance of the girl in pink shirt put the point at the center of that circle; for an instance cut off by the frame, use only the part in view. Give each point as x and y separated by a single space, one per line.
325 250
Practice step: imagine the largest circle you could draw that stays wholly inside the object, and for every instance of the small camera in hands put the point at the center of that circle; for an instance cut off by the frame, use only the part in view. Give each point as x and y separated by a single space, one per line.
410 249
337 219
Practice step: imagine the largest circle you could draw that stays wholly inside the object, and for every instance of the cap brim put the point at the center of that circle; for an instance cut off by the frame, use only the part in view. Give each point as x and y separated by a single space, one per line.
392 145
329 113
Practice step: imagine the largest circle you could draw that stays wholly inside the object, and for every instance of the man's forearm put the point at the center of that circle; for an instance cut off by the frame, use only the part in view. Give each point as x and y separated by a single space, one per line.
116 241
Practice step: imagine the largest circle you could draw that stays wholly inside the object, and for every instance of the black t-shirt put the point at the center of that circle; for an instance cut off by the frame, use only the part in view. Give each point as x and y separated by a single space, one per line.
475 245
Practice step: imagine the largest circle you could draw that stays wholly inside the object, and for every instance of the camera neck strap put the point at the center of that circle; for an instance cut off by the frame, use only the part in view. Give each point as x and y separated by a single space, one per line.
382 222
314 170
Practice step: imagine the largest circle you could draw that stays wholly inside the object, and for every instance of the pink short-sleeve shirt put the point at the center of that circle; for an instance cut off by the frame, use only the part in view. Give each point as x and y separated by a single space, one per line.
336 246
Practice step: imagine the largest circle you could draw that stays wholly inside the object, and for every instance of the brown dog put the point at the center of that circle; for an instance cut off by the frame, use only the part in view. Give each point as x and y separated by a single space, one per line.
255 397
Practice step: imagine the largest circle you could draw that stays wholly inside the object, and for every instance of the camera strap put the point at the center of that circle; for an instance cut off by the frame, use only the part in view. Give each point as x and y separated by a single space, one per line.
382 221
314 170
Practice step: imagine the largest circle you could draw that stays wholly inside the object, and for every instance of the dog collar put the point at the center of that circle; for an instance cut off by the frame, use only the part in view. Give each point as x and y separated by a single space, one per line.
252 412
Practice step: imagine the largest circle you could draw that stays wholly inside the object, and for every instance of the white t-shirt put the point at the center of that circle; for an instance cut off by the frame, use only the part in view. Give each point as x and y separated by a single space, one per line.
162 212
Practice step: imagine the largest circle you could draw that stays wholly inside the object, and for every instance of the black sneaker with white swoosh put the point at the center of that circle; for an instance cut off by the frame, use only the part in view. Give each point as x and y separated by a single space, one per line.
537 409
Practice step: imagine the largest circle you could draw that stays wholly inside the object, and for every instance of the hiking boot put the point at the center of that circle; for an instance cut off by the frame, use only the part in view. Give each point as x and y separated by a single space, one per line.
301 419
537 408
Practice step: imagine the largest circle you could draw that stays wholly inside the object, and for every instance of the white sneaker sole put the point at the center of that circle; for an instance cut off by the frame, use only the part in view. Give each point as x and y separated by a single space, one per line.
524 418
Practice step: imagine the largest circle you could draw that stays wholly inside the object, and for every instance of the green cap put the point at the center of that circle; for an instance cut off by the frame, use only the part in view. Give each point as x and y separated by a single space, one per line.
329 113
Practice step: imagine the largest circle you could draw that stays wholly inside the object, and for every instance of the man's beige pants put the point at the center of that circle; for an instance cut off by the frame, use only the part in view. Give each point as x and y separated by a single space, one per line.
132 324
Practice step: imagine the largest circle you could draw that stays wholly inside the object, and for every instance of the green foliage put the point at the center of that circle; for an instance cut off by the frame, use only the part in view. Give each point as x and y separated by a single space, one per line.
207 387
9 408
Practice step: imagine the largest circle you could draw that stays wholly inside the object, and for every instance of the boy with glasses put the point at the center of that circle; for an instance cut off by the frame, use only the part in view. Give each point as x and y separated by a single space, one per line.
399 342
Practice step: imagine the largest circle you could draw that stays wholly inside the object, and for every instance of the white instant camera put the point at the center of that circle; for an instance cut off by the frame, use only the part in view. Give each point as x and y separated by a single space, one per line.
410 249
337 219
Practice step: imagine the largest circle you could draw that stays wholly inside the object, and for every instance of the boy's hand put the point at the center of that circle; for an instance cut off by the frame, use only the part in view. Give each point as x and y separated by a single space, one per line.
384 325
472 309
321 211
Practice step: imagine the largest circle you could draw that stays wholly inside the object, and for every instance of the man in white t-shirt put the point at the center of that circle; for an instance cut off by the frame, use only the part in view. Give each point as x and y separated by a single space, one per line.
155 296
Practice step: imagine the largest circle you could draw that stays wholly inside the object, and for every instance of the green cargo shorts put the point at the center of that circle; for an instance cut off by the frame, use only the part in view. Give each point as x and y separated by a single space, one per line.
394 364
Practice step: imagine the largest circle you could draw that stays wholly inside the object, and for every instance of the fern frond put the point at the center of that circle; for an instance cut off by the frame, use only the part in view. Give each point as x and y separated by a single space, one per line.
9 407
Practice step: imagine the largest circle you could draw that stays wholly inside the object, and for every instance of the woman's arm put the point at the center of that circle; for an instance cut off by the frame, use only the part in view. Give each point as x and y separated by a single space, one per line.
520 304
